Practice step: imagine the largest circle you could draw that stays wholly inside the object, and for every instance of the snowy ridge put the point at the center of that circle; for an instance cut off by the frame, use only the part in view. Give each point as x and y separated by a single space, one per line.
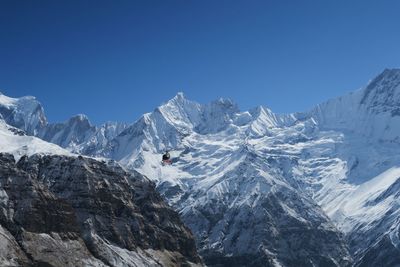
372 111
15 142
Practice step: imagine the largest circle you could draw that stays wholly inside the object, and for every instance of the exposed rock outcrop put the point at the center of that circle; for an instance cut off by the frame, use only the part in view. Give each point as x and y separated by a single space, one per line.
66 211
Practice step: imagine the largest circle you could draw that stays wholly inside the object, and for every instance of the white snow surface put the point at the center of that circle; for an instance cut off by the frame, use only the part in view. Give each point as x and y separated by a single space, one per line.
20 145
8 101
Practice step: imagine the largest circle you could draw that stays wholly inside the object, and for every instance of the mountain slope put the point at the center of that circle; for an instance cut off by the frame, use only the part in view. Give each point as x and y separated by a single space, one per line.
16 142
360 193
60 209
372 112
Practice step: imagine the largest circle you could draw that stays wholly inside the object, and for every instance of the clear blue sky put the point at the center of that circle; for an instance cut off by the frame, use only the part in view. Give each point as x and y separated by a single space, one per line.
115 60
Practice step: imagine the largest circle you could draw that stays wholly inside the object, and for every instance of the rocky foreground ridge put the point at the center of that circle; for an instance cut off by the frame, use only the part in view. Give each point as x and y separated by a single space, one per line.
75 211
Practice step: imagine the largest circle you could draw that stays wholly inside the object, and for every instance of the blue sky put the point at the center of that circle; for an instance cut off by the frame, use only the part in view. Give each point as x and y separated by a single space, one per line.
115 60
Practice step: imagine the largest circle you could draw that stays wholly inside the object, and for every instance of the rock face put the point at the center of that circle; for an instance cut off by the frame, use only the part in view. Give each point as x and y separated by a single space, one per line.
382 95
66 211
279 228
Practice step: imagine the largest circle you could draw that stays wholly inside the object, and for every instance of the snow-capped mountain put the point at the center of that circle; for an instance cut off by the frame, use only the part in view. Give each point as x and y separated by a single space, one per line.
76 134
359 180
61 209
372 112
25 113
69 134
14 141
316 188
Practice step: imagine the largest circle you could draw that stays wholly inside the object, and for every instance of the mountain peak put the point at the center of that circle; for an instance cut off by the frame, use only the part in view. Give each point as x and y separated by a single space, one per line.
226 101
393 70
180 95
80 117
382 94
25 113
178 100
384 78
260 110
225 105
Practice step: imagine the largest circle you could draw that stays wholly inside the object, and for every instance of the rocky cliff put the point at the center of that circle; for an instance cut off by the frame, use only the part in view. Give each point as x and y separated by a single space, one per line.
75 211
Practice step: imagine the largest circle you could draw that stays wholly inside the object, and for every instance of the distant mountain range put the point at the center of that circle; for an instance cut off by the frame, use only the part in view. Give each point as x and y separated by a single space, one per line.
314 188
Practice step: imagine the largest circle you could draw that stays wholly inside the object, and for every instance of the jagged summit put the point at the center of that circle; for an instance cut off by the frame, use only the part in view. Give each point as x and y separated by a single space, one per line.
180 111
179 99
383 93
80 119
187 115
180 95
226 104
